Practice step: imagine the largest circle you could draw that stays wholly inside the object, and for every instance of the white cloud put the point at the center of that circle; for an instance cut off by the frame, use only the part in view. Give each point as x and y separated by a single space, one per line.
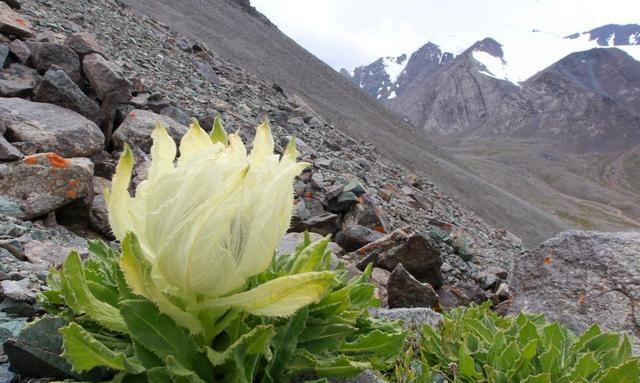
349 33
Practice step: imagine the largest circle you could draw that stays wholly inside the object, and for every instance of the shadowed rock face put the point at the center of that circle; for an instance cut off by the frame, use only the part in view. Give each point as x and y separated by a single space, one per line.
579 278
613 34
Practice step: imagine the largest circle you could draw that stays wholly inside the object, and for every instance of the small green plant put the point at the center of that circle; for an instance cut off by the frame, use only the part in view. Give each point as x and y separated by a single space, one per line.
196 295
477 345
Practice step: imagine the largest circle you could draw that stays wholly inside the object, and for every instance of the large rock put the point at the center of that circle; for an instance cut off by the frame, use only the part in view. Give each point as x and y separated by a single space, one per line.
579 278
418 253
12 23
21 50
42 183
56 87
8 152
57 56
99 214
136 129
353 237
51 128
17 81
403 290
83 43
106 78
366 213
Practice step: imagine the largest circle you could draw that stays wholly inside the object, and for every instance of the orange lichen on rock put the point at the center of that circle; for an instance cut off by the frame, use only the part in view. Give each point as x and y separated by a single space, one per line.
56 161
30 160
72 193
379 229
21 22
547 260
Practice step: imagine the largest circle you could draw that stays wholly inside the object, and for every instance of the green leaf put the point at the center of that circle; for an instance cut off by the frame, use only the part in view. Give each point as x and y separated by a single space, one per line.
626 373
144 356
256 341
84 352
79 298
325 366
159 334
284 346
376 342
585 367
159 375
467 367
311 256
179 374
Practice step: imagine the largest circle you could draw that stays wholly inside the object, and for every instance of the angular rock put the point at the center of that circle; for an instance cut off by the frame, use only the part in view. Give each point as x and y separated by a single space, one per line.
323 224
207 71
353 237
35 352
418 253
579 278
12 23
83 43
17 81
341 204
41 183
15 4
57 56
366 213
51 127
461 294
106 79
136 129
8 152
178 115
380 278
20 50
19 290
403 290
56 87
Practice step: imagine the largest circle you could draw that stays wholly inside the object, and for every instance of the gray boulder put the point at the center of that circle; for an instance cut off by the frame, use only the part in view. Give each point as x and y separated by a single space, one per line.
83 43
17 81
403 290
136 129
56 87
13 23
106 79
418 253
56 56
51 128
580 278
42 183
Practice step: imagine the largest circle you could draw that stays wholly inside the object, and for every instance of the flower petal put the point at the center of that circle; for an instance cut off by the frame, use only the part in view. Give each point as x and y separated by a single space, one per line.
118 199
279 297
262 142
218 134
163 152
193 141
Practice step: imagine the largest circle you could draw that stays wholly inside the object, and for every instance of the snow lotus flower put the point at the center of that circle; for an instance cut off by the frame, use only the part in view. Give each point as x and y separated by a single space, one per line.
200 226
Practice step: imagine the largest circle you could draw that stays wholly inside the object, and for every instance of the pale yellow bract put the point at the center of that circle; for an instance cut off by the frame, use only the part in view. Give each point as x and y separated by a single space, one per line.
211 219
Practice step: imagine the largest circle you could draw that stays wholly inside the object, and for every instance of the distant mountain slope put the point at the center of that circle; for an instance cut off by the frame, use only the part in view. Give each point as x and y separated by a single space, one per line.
234 33
612 35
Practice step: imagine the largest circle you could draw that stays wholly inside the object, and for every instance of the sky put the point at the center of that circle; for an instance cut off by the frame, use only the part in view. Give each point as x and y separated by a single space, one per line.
348 33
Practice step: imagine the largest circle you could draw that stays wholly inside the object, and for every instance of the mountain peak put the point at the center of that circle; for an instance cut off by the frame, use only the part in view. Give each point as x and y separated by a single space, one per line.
488 45
612 35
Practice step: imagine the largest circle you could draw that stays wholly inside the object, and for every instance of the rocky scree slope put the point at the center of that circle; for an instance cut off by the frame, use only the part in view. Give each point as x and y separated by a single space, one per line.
81 78
239 36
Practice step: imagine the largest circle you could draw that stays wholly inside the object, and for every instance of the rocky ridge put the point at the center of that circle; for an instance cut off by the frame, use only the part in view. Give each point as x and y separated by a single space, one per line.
110 85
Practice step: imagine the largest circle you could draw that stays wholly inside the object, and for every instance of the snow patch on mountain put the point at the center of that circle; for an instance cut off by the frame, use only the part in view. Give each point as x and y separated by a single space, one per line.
394 66
495 67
